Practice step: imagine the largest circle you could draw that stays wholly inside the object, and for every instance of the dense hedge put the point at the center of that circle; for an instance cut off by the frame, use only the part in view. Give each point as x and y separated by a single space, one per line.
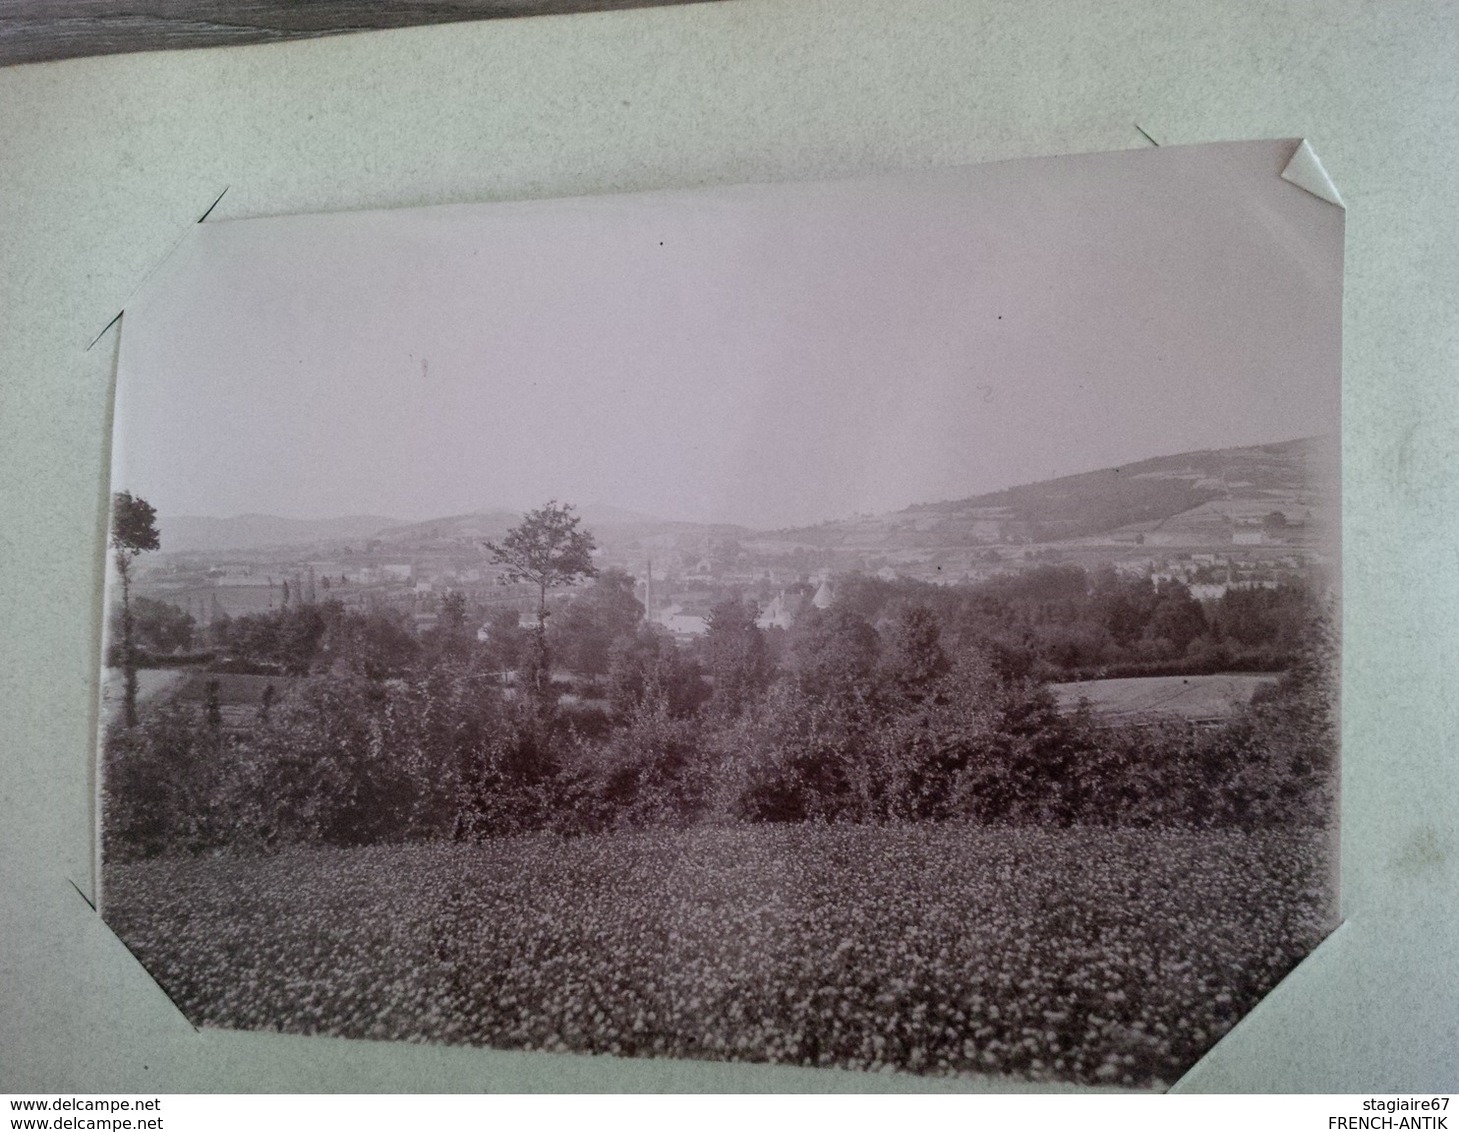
445 753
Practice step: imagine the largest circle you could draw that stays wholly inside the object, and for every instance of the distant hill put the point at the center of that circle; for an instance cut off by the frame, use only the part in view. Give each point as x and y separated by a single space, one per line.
1192 498
453 529
615 525
477 526
606 515
192 533
1185 491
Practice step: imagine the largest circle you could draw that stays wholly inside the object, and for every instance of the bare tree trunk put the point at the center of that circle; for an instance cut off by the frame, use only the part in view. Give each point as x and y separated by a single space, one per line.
129 659
542 678
543 700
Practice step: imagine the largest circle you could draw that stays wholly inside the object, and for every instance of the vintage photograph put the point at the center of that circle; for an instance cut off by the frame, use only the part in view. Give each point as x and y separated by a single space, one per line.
880 626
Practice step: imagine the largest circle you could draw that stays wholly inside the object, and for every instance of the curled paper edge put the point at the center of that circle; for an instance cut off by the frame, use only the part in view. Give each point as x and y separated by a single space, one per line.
1306 172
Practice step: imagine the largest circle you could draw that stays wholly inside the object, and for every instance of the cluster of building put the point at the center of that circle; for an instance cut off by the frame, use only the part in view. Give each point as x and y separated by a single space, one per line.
691 571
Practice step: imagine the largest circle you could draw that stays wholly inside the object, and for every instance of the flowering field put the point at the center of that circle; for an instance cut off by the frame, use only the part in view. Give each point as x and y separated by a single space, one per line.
1099 956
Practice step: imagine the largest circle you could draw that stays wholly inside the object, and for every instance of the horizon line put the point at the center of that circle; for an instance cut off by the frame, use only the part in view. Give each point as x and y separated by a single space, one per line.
645 517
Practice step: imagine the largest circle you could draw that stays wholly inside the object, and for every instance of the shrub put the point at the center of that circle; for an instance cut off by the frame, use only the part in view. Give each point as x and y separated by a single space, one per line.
168 782
650 771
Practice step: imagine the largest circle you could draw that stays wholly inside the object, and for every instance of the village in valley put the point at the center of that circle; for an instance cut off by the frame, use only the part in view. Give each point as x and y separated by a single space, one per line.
1205 523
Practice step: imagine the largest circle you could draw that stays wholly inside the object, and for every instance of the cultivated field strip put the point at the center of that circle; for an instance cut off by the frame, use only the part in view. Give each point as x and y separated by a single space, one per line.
1097 956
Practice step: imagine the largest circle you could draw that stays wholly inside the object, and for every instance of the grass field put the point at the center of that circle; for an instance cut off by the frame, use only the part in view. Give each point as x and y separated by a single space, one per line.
1187 697
1097 956
151 683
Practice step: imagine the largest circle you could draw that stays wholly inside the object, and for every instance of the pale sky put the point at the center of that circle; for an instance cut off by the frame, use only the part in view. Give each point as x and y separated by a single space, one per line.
765 355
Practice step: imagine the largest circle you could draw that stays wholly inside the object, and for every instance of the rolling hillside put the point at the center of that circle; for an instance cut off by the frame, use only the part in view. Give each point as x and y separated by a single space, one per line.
1196 494
186 534
1193 499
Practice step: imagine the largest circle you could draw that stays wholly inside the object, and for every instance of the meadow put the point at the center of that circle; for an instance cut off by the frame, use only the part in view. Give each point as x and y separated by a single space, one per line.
1213 696
1100 956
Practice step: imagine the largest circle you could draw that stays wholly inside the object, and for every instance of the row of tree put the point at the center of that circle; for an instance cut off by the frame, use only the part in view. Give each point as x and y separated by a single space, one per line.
1059 622
1072 623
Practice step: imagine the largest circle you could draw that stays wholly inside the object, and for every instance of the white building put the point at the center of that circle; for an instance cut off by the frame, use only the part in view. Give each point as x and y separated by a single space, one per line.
779 614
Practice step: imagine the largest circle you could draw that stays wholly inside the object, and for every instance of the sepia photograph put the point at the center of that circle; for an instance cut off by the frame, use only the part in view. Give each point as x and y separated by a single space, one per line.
877 626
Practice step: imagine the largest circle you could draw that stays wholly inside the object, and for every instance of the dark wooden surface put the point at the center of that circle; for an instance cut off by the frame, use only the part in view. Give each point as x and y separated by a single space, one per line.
33 31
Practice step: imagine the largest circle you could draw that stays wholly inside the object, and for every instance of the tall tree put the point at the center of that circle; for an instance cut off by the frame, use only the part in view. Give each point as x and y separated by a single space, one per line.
157 626
582 635
913 657
449 641
649 664
835 653
737 655
133 532
546 549
453 611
